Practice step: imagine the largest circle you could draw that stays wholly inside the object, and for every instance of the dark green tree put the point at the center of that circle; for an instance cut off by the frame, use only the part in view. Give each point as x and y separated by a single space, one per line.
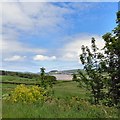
112 54
74 77
42 76
46 80
103 70
50 80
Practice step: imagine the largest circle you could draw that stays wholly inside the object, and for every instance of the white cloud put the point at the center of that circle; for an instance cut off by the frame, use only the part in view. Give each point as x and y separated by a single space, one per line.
69 56
11 43
13 46
15 58
28 18
38 16
72 50
13 16
42 58
32 18
24 18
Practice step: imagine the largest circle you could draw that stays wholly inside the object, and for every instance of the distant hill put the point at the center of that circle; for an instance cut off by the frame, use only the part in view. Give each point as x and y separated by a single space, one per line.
73 71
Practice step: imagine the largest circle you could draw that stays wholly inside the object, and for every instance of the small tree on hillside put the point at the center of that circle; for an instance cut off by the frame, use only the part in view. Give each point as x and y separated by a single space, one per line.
42 76
74 77
46 80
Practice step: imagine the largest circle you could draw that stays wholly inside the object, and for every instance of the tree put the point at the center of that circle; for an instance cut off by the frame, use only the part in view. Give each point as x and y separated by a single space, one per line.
104 69
42 76
112 53
50 80
94 79
74 77
46 80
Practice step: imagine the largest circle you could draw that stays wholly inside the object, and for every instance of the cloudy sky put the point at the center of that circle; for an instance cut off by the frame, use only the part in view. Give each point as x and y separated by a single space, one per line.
50 34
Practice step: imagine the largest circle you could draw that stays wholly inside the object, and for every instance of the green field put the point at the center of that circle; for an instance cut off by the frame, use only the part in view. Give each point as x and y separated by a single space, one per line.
16 79
62 103
7 88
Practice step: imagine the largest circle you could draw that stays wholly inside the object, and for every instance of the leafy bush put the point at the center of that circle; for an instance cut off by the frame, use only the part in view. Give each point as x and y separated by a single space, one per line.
26 94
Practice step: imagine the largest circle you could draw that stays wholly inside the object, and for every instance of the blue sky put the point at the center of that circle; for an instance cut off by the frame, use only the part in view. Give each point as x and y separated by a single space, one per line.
50 34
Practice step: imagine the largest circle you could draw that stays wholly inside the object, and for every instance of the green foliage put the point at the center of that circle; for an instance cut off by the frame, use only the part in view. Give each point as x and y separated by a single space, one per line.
67 89
50 80
42 77
93 67
112 57
19 74
75 77
103 70
68 101
58 108
46 80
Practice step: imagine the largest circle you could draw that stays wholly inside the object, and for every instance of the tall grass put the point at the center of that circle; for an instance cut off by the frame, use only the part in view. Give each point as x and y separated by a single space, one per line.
60 109
62 104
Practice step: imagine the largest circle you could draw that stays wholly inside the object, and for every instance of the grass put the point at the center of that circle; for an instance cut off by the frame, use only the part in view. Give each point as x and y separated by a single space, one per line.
60 109
60 104
16 79
62 89
68 89
7 88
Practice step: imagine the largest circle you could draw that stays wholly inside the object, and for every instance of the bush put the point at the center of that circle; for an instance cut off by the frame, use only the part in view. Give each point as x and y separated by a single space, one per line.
26 94
48 81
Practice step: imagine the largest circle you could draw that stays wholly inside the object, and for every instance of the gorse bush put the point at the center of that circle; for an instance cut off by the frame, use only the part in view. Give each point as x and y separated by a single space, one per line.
26 94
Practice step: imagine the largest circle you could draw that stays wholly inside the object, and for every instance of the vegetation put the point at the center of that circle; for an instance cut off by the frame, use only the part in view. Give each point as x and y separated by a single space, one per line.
92 66
112 61
46 80
63 99
19 74
58 108
42 79
103 69
67 101
75 77
8 78
42 75
26 94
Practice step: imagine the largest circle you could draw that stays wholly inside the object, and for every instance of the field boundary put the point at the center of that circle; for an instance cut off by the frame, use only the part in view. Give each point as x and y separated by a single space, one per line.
18 83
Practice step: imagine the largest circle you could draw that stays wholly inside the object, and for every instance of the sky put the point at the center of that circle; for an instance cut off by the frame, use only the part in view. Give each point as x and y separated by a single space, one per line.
50 34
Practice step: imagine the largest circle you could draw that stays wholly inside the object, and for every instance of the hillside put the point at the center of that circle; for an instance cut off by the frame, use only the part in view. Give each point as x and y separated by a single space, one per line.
73 71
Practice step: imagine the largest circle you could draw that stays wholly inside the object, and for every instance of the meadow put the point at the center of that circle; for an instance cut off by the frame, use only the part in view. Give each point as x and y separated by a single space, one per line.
66 100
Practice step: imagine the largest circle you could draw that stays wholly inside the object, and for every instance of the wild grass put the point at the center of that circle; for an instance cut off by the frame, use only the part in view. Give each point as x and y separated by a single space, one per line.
16 79
57 109
7 88
67 101
68 89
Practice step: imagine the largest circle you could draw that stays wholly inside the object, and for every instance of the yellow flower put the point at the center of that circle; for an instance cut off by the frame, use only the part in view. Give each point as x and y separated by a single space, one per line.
27 94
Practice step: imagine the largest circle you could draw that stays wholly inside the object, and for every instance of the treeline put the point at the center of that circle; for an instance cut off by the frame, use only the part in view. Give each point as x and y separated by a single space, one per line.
20 74
47 78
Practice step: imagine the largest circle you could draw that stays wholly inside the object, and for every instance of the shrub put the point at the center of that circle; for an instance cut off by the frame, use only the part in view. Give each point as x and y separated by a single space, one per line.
26 94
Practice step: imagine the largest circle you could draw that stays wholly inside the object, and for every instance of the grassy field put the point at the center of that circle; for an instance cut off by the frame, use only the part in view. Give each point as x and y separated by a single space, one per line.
16 79
62 104
7 88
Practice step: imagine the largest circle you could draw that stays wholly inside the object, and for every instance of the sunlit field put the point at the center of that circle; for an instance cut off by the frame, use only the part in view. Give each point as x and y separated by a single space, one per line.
66 100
